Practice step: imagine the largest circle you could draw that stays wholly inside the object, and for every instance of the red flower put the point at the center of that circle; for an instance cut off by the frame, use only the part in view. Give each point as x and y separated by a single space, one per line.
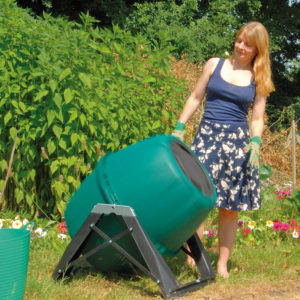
62 228
246 231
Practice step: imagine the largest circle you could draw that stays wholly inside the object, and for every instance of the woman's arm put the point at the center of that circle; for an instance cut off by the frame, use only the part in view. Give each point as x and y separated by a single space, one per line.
257 120
197 95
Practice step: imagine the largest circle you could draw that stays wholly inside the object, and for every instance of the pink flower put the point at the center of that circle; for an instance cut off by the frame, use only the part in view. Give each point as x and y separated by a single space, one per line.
285 226
277 225
293 222
283 193
240 223
212 232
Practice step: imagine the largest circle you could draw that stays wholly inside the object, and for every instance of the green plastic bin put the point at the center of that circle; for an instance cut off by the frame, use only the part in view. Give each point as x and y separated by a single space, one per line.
14 252
162 180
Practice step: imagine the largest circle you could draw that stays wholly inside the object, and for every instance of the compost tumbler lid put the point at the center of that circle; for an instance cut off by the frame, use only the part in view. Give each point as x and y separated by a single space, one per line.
192 167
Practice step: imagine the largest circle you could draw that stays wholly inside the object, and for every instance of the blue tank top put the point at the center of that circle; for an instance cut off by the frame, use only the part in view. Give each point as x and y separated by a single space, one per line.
227 102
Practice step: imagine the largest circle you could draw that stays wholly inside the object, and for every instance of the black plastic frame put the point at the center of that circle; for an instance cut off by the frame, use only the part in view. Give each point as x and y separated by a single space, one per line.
156 268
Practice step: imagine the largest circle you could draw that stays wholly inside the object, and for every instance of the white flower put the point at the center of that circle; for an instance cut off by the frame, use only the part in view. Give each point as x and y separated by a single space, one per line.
40 232
62 236
1 223
44 233
269 223
25 221
17 224
295 234
205 232
226 53
251 224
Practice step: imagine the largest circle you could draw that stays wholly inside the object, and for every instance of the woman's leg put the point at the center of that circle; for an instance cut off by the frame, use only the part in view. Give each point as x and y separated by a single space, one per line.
189 260
228 220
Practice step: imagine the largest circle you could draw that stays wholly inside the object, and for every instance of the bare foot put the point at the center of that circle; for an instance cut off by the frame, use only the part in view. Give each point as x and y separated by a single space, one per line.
222 271
190 261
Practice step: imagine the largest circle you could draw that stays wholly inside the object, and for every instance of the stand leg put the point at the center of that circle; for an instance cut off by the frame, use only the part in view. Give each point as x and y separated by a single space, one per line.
75 247
156 268
201 258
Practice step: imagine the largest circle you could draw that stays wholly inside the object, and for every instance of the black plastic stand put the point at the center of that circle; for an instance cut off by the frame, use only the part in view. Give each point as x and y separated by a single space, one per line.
156 268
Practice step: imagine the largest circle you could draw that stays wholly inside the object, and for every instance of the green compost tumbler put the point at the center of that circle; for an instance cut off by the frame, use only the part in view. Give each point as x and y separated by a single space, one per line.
165 184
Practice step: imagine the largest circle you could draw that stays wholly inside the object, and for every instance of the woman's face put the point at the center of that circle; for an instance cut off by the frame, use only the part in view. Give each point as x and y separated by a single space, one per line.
243 49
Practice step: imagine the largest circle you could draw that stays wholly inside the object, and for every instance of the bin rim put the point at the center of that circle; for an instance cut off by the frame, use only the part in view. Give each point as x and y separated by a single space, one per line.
211 196
19 233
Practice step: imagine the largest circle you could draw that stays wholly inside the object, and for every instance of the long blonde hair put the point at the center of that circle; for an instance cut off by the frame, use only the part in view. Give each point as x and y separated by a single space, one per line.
257 35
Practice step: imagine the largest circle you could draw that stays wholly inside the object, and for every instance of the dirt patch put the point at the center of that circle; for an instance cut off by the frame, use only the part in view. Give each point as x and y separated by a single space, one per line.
249 290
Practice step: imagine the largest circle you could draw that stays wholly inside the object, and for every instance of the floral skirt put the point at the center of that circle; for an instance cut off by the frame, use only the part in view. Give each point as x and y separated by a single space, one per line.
219 148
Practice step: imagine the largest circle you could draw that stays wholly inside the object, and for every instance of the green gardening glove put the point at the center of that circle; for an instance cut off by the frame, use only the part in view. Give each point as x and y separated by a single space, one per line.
253 147
179 130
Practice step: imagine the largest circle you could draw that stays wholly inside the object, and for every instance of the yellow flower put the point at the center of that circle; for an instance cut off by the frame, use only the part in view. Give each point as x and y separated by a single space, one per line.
251 224
269 223
17 224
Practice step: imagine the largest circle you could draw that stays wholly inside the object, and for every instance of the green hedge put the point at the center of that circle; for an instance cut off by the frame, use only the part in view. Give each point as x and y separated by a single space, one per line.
195 29
73 93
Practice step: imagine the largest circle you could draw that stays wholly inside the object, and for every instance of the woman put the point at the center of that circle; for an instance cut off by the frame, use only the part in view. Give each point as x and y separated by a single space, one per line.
222 140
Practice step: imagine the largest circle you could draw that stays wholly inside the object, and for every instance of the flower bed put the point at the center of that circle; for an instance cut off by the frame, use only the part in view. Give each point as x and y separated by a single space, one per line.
281 222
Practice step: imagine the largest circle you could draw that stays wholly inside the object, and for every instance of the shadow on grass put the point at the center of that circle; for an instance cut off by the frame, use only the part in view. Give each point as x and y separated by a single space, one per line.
139 283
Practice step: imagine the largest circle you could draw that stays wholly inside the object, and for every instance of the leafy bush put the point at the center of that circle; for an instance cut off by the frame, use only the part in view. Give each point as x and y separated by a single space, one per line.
71 93
199 29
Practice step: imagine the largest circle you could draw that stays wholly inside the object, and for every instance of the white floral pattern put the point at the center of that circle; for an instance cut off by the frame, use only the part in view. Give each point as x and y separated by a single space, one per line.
219 148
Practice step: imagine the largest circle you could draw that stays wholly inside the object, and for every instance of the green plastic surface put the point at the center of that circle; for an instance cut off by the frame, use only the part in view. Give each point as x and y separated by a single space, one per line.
146 177
14 252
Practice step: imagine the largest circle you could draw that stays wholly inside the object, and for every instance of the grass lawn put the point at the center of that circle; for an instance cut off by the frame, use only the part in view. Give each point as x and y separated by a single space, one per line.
261 271
265 261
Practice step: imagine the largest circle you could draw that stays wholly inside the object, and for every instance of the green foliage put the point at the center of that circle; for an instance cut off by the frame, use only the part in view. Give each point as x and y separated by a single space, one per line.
201 29
72 93
265 172
283 105
195 29
105 11
293 203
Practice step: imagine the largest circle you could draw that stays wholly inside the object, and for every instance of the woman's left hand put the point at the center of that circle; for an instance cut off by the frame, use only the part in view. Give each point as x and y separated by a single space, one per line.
253 148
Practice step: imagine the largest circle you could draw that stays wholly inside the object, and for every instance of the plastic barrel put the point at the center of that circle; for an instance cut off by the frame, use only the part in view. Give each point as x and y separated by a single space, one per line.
162 180
14 252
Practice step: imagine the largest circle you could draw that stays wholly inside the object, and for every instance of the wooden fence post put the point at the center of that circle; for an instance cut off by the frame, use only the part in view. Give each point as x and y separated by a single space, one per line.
9 166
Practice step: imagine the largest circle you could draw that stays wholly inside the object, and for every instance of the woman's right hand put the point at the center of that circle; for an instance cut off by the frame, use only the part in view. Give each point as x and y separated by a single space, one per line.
179 130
